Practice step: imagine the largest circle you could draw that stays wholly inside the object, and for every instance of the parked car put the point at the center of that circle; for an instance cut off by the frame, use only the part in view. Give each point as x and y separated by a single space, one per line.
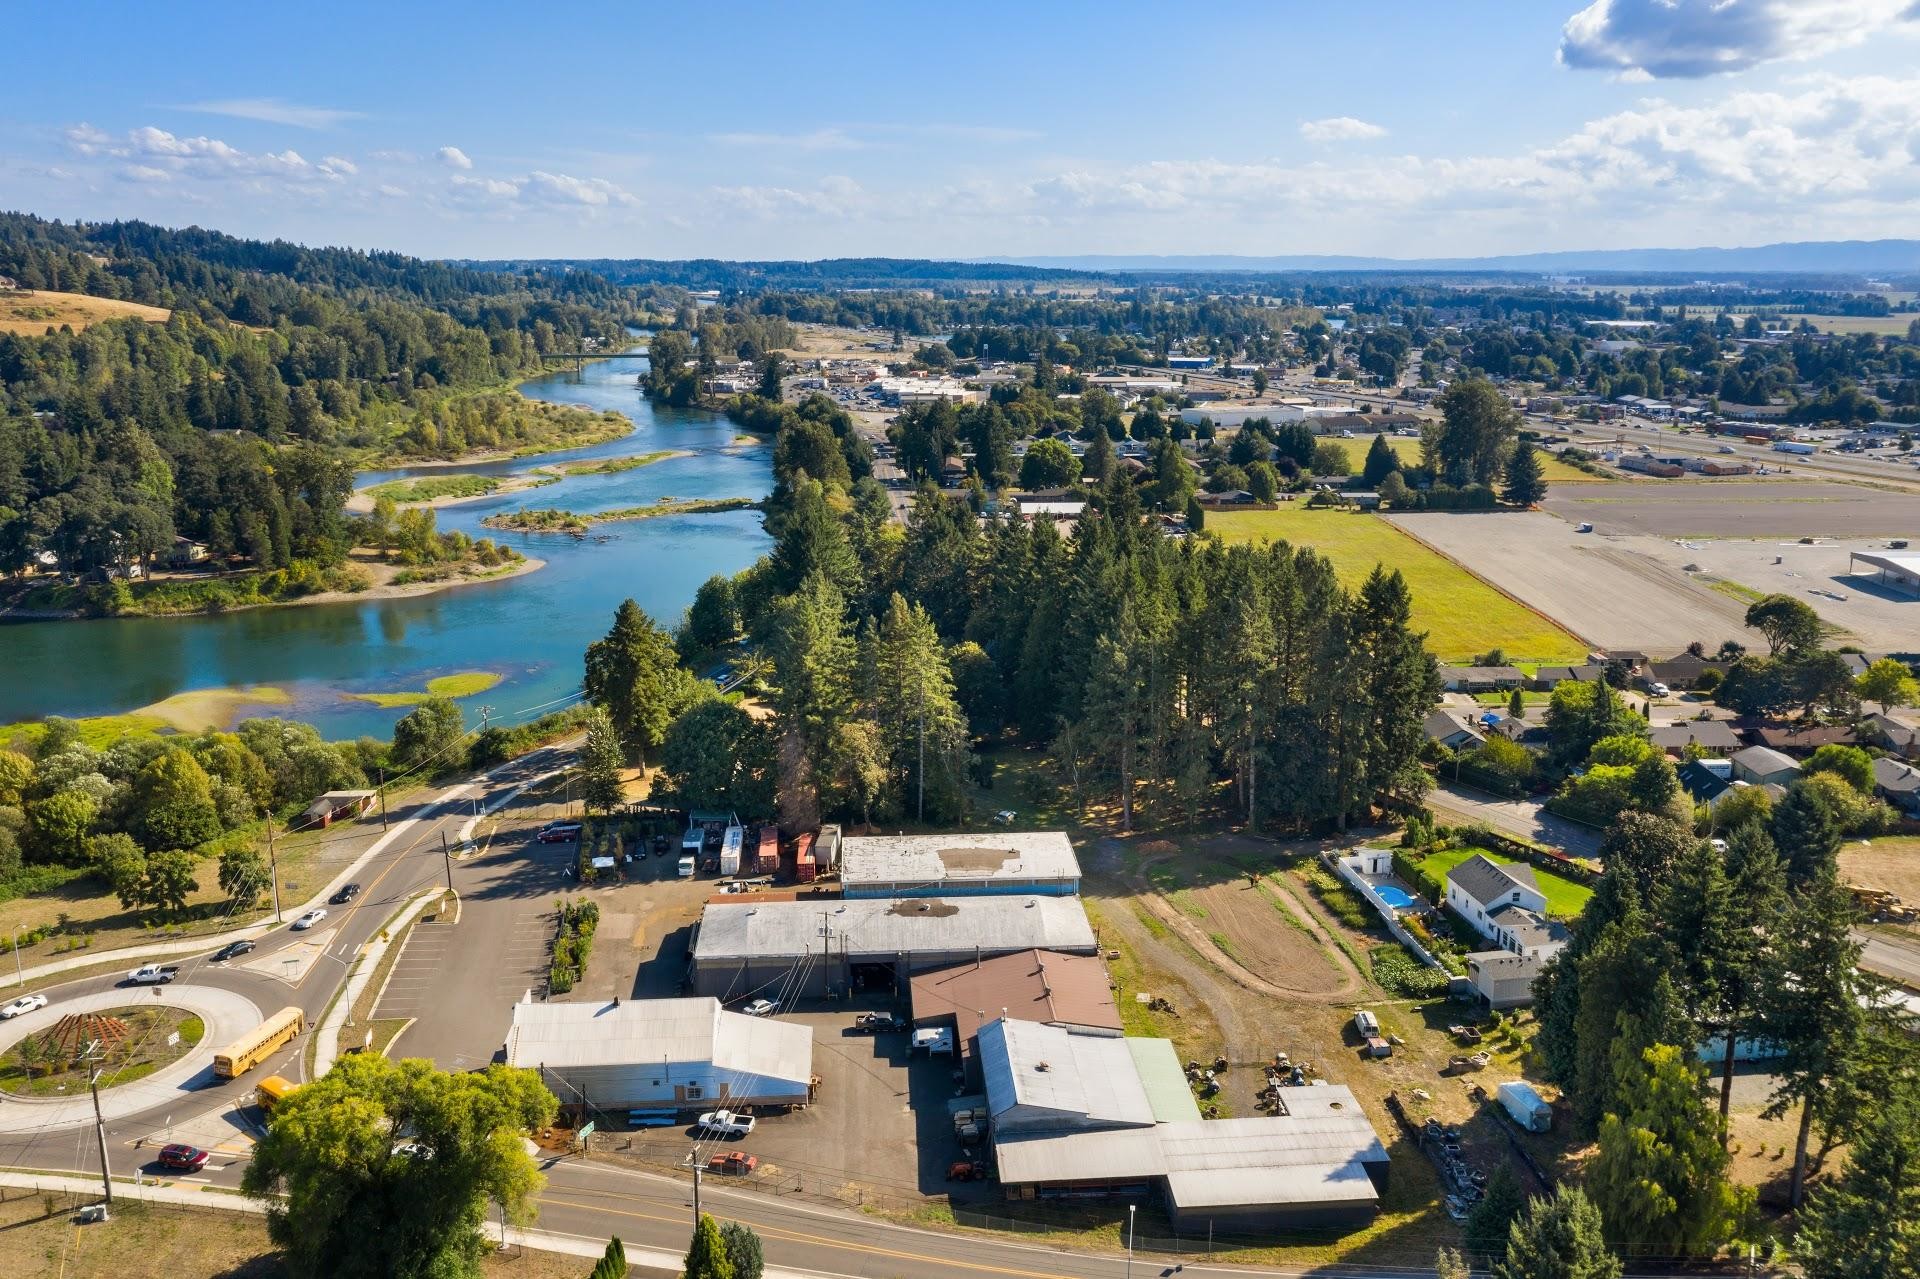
726 1124
1657 689
232 950
559 833
24 1004
1005 817
877 1024
183 1158
346 894
734 1163
309 919
760 1008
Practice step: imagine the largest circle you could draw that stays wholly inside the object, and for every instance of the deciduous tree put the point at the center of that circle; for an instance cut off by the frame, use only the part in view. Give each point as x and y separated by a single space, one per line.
174 802
1890 683
1788 624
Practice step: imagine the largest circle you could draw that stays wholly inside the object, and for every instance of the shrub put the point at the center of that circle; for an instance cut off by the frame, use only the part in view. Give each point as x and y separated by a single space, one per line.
1397 971
1347 906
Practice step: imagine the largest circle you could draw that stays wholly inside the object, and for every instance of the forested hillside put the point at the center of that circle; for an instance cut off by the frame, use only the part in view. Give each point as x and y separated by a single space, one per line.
236 422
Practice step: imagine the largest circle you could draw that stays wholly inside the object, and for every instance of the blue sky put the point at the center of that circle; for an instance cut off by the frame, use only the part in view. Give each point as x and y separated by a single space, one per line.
786 130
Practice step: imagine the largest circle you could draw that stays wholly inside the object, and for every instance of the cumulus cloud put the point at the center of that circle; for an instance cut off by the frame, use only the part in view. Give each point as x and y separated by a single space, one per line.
149 154
1339 128
273 111
541 187
1683 39
834 197
453 157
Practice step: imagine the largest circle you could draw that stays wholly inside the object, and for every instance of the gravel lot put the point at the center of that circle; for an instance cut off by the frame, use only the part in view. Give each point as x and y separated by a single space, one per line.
1613 592
1865 613
1739 508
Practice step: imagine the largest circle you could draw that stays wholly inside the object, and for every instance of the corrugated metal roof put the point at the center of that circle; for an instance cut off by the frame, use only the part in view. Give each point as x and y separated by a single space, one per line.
1032 985
957 858
624 1032
1034 1072
1164 1079
882 927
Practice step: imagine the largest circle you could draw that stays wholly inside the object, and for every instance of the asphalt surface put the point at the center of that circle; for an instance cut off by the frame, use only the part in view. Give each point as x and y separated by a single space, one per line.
1523 817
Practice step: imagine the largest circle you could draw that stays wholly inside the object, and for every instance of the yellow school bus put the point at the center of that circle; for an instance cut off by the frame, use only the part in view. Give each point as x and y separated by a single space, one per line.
259 1043
273 1090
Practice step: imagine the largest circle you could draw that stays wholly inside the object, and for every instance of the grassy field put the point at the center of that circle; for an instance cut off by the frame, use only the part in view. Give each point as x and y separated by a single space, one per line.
462 684
1554 471
1896 324
1890 864
431 487
30 311
190 712
1461 614
1564 897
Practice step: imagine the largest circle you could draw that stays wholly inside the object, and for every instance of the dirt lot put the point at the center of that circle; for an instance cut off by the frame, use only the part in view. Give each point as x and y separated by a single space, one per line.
1610 590
1860 610
1891 865
1739 508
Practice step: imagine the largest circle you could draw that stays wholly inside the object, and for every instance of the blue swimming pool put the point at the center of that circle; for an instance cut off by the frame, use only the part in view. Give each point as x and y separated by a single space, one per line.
1398 898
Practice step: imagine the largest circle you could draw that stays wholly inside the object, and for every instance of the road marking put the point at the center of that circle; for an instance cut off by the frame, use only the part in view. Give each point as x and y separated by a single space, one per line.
780 1232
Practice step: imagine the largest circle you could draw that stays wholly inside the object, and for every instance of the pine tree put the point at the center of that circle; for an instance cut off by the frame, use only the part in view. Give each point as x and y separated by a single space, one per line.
813 662
1805 832
1757 879
1865 1224
808 539
635 673
1559 1238
600 763
909 698
1381 462
743 1250
707 1258
1447 1264
1811 1007
1624 1007
1098 464
1660 1177
612 1263
1526 484
1492 1218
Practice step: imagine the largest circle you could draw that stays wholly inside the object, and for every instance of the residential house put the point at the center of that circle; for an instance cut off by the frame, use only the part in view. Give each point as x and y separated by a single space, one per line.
1713 736
1804 741
1481 679
186 552
1501 978
1897 783
1708 781
1761 765
1545 678
1504 904
335 806
1890 734
1452 732
1683 671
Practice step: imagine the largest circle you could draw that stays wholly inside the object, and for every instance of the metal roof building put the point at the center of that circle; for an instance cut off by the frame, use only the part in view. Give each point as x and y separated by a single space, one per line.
661 1053
959 865
1032 985
826 945
1047 1079
1901 571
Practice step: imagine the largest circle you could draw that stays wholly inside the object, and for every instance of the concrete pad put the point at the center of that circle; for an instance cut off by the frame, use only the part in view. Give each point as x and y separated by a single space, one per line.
224 1130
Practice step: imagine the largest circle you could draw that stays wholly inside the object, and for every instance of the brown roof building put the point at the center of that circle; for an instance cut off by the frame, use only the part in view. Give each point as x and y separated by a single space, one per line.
1030 985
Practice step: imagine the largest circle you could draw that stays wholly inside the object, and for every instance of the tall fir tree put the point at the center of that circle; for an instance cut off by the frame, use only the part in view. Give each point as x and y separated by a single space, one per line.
635 673
1865 1223
1560 1237
1526 479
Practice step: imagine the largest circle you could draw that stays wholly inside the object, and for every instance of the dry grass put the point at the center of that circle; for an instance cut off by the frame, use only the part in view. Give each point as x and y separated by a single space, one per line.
31 312
1461 614
1891 865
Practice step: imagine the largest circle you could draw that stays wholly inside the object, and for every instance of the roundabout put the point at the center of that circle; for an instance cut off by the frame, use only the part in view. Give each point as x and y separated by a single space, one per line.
223 1017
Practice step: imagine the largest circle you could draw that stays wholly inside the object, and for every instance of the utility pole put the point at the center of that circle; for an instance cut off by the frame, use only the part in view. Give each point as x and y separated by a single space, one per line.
446 857
100 1132
696 1189
273 862
383 799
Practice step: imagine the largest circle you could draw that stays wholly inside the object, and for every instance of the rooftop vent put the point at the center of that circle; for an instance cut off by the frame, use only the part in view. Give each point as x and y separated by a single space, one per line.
1043 1066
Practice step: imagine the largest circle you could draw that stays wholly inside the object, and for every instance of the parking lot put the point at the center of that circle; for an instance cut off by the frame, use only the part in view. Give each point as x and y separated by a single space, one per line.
880 1128
1738 508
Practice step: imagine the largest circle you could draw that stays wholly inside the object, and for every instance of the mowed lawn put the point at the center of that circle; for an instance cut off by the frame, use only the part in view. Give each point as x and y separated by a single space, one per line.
1565 898
1461 614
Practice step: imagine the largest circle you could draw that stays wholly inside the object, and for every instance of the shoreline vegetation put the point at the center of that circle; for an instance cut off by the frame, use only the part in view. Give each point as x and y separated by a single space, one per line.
574 524
450 490
459 684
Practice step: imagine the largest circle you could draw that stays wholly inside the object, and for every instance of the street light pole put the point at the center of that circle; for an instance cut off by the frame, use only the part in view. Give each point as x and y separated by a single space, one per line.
273 862
1130 1212
100 1135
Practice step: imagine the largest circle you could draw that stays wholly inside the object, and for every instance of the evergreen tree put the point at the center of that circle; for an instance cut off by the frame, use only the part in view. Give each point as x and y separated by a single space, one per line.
1099 462
813 661
1196 514
1865 1224
1757 880
808 539
1526 483
601 760
1381 462
909 697
612 1263
743 1250
1491 1221
1448 1264
1805 832
707 1257
1811 1007
1624 1008
1660 1177
635 673
1559 1238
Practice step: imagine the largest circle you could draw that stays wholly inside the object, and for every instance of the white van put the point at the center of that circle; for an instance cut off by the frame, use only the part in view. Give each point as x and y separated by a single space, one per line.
686 866
1366 1024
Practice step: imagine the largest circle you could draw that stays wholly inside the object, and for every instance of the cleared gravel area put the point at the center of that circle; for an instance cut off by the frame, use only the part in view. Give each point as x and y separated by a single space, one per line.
1613 592
1739 508
1859 610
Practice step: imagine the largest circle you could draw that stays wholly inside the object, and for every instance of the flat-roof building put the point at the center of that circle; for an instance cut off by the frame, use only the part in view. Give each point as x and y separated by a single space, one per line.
667 1054
1899 571
872 942
959 865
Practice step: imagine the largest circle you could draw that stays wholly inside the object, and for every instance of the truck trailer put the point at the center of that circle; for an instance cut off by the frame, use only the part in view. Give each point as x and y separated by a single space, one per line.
1525 1105
1793 446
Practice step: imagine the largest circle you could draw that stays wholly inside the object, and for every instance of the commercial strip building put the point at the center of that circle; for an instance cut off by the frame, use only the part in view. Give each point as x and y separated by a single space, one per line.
1076 1114
665 1054
958 865
804 949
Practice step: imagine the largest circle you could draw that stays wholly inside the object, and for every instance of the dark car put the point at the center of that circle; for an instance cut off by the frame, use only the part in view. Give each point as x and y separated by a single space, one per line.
877 1024
345 895
559 833
183 1158
232 950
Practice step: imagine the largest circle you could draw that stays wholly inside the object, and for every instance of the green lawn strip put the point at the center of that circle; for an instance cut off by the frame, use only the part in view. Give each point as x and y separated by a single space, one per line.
463 684
1462 615
1565 898
552 520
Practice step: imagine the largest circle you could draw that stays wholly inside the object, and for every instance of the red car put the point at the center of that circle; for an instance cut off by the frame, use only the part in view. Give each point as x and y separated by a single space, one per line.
559 833
184 1158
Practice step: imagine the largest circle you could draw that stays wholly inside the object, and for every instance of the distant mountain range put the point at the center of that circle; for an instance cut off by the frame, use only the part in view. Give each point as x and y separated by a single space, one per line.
1866 257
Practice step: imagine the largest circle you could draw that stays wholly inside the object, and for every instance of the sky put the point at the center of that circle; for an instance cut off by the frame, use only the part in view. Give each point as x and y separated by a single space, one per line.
1401 128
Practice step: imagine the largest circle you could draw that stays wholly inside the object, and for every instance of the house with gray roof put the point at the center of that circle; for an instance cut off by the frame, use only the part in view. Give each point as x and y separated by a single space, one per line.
1452 731
1898 783
1505 905
1760 765
1713 736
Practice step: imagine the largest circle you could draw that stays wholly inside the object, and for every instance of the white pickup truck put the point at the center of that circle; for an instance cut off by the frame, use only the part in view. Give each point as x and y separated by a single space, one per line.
153 974
726 1123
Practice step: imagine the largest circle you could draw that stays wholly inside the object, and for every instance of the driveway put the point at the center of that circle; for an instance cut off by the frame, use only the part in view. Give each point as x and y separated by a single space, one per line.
1523 817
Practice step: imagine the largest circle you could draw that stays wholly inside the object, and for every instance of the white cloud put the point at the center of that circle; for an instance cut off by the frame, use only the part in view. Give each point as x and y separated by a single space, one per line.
453 157
815 140
336 166
147 173
561 188
273 111
1339 128
834 197
149 154
485 186
1690 38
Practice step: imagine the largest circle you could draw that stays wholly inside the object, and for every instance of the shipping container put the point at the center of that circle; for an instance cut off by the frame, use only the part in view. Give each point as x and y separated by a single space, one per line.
803 867
767 856
730 850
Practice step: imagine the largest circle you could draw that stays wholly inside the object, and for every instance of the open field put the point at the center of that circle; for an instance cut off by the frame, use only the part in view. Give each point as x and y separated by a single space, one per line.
1609 590
1890 864
1855 607
1895 324
1461 614
32 311
1740 508
1564 897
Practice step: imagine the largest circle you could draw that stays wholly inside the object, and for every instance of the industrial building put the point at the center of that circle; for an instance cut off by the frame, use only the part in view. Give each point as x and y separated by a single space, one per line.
958 865
1074 1115
1034 985
809 948
665 1054
1899 571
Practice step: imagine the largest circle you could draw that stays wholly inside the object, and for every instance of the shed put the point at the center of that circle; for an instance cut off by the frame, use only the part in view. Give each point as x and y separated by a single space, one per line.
336 806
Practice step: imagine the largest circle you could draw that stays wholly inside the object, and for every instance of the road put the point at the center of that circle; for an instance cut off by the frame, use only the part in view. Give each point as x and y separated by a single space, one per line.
1890 955
1525 818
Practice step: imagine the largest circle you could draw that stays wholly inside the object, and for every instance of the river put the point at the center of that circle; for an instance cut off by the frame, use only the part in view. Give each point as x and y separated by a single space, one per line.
529 630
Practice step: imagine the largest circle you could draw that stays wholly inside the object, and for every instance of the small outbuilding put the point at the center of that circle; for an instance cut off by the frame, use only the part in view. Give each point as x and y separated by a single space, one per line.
336 806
